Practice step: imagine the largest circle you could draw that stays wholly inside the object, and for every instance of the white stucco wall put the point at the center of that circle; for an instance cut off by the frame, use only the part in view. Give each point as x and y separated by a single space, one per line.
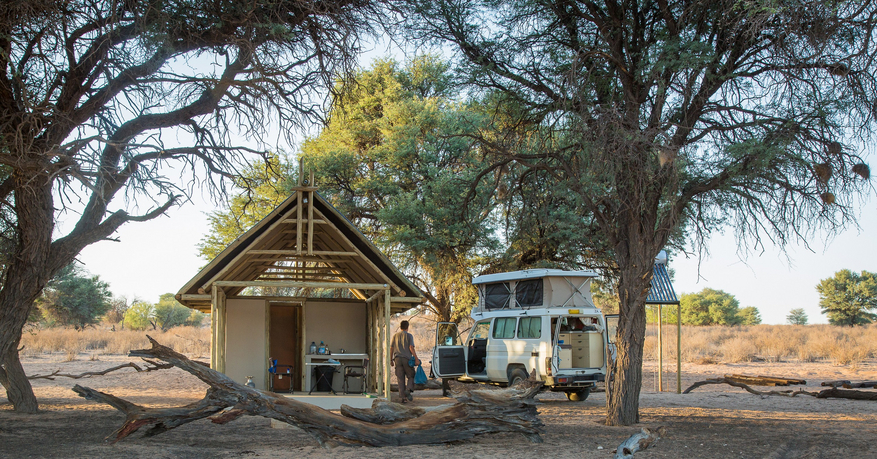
246 341
339 325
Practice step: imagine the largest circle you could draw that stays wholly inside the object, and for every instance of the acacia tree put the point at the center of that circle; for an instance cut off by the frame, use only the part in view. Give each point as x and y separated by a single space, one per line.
662 114
849 298
92 91
393 158
797 316
74 298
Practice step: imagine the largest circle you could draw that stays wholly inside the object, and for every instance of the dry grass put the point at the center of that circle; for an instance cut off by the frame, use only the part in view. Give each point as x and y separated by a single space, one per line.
771 343
702 345
192 341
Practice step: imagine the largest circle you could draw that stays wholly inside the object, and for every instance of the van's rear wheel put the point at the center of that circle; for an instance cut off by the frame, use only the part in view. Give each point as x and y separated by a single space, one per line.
517 375
579 395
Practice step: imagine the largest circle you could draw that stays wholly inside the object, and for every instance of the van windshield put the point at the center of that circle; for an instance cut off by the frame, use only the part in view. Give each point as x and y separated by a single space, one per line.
479 331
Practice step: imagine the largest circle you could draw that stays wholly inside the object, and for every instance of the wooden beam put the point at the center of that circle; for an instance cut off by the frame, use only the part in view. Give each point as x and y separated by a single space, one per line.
375 296
296 284
311 222
377 270
294 253
305 258
193 297
405 299
318 221
300 276
303 269
221 329
228 266
387 356
298 226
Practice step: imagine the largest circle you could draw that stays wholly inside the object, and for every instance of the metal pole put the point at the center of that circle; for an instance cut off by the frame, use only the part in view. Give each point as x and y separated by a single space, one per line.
660 350
678 348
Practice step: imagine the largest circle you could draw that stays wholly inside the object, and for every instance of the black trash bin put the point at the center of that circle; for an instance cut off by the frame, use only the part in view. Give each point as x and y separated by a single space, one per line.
323 375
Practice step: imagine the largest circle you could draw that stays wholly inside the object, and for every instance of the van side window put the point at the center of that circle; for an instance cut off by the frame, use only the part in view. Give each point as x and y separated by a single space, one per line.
528 293
504 328
496 296
530 328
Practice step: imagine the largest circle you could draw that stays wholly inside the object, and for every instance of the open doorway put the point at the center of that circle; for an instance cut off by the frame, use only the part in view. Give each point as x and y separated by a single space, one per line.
285 344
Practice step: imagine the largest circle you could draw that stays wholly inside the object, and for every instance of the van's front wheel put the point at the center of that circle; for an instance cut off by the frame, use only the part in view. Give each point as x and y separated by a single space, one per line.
579 395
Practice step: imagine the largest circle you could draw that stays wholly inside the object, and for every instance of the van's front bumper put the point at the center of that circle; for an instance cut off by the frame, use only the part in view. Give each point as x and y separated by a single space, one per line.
573 382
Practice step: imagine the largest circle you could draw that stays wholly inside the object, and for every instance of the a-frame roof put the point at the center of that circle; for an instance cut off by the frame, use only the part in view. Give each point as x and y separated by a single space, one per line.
304 241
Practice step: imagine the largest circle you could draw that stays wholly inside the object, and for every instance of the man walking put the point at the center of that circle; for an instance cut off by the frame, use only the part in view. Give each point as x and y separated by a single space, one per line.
402 347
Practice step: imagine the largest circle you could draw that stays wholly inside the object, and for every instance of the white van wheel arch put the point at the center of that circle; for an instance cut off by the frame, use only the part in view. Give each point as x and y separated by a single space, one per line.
517 374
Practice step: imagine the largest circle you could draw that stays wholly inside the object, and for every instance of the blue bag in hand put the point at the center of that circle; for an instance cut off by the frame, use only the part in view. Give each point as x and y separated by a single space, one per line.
419 375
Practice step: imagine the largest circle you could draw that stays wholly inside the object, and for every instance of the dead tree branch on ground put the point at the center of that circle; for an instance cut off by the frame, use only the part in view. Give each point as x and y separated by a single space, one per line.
476 412
57 373
825 393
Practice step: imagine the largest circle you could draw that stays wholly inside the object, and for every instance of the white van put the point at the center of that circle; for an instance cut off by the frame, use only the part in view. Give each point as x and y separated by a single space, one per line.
541 320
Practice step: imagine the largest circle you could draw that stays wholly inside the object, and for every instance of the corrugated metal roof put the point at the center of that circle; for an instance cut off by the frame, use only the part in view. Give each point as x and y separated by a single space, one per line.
662 290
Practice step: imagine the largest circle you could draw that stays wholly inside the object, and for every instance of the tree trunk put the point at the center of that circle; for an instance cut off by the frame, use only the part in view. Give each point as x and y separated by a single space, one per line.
622 402
18 388
28 272
624 388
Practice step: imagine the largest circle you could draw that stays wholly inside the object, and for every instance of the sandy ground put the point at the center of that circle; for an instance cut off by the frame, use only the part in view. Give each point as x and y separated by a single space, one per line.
713 421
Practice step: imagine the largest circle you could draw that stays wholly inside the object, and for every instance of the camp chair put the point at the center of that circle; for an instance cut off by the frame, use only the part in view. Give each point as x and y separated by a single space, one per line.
276 371
356 371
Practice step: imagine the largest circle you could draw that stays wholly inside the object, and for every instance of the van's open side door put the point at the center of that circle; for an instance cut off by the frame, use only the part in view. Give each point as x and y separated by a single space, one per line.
449 354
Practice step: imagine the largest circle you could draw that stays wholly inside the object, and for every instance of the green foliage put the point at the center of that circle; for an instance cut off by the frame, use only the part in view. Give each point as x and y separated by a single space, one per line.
797 316
709 307
169 312
749 316
848 298
398 159
139 316
73 298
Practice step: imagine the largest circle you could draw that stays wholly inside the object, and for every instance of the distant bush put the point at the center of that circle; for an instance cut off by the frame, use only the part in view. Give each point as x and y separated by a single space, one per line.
139 316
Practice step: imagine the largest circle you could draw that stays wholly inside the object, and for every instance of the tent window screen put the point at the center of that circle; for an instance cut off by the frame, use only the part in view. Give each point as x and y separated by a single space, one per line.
496 296
504 328
528 293
530 328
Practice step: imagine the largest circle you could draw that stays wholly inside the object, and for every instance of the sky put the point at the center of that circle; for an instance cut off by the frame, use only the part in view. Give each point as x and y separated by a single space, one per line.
160 256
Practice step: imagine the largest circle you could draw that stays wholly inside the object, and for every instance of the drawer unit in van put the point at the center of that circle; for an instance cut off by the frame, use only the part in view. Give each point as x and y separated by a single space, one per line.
565 356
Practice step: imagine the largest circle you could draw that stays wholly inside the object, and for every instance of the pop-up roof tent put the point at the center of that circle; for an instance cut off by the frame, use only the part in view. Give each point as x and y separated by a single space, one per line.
303 274
534 288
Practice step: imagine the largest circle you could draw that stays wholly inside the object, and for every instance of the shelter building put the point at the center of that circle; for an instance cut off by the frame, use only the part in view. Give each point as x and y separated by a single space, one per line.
303 274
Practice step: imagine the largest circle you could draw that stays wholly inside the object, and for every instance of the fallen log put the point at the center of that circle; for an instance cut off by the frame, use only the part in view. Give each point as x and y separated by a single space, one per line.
735 383
825 393
765 380
851 384
476 411
848 394
57 373
837 383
